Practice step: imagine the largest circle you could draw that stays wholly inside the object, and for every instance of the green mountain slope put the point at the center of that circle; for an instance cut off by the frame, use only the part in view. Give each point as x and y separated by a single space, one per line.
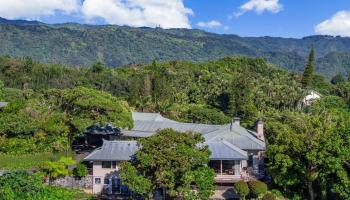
82 45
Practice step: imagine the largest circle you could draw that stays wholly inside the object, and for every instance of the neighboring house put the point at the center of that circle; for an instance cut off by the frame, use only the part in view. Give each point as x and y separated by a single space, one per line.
236 152
3 104
311 97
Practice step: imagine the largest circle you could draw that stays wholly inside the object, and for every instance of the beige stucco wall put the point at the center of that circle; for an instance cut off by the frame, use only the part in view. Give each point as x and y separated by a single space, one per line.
99 172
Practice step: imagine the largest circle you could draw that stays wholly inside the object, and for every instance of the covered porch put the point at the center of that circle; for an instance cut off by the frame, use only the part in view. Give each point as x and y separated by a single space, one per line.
226 170
227 161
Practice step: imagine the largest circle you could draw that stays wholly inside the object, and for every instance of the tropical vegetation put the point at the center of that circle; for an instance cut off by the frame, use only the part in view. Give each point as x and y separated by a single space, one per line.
308 146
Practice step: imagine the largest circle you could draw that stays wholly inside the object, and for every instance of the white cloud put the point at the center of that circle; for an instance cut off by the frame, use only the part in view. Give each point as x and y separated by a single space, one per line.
260 6
209 24
338 24
34 9
152 13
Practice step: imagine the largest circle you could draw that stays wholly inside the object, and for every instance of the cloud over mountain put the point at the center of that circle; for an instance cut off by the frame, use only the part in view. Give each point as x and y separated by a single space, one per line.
338 24
152 13
210 24
260 6
34 9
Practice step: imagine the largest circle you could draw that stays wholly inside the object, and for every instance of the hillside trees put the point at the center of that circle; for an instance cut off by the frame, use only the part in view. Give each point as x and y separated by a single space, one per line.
173 161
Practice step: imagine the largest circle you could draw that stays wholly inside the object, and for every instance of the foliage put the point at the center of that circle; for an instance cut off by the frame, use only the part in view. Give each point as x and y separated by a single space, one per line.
201 114
309 151
97 67
269 196
21 185
81 170
173 161
257 188
50 120
133 180
58 168
203 178
337 79
308 148
309 69
242 189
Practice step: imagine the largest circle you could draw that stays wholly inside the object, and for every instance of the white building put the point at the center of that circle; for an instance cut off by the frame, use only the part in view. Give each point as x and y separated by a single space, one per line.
311 97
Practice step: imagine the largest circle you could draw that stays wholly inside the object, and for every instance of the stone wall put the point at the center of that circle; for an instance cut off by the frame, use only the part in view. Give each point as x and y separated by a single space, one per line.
73 182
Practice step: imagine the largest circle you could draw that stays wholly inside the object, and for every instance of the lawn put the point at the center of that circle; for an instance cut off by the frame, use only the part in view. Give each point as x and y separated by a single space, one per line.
26 161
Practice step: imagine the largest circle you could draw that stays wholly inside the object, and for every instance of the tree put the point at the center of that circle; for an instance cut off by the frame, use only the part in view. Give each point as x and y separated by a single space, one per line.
309 69
173 161
337 79
59 116
257 188
81 170
269 196
310 151
97 67
242 189
79 108
58 168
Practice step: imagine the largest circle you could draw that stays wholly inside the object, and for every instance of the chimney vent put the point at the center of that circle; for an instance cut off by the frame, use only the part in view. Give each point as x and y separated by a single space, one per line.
235 120
260 129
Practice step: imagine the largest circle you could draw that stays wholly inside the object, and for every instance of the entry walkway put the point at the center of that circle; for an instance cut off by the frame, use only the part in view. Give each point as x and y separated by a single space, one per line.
224 192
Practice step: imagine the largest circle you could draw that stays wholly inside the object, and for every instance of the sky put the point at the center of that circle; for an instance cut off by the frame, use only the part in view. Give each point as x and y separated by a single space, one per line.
279 18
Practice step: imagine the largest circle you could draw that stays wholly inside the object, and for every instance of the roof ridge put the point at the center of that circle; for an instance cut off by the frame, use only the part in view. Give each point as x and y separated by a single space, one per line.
116 141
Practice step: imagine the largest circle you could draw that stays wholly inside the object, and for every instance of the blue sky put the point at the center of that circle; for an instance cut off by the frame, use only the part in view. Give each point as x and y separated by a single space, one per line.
284 18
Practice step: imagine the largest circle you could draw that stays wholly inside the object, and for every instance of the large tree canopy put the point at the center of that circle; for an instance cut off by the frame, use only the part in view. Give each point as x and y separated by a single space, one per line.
56 116
173 161
311 152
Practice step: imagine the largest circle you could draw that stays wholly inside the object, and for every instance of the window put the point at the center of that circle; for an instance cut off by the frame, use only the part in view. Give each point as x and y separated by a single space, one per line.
106 181
250 160
106 164
97 180
228 167
114 164
215 165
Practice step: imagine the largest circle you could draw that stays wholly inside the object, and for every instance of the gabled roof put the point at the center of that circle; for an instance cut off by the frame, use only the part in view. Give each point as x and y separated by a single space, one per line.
222 150
114 151
234 134
153 126
238 136
138 116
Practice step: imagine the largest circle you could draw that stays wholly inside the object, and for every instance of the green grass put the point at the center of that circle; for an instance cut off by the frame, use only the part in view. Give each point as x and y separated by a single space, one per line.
26 161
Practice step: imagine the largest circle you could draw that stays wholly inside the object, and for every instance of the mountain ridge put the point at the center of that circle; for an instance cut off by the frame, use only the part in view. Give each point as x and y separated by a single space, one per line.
83 44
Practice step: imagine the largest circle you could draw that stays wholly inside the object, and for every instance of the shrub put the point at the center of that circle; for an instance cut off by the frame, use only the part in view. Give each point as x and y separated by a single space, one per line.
58 168
276 192
257 188
80 170
269 196
22 185
242 189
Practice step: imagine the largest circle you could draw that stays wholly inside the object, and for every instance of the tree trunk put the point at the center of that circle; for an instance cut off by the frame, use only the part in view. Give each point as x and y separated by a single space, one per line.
311 190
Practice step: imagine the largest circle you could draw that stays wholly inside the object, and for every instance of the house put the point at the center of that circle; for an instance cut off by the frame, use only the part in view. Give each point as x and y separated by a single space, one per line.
236 152
2 105
311 97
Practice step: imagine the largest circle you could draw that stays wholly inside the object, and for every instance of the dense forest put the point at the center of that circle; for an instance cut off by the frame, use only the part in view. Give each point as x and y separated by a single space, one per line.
308 146
82 45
